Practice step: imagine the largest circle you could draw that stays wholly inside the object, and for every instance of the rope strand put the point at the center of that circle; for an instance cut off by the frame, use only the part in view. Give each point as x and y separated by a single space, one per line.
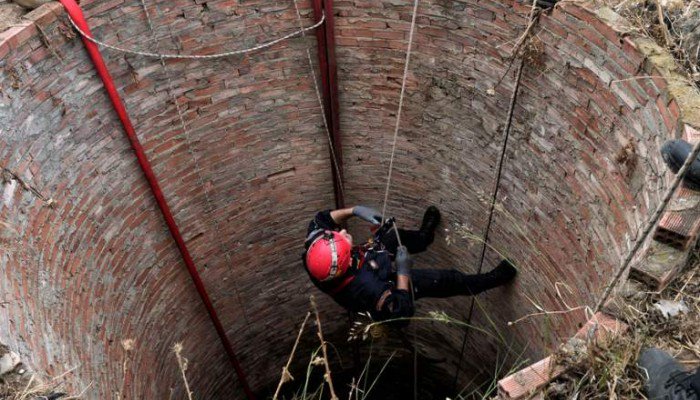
388 178
197 56
320 104
494 196
533 17
398 113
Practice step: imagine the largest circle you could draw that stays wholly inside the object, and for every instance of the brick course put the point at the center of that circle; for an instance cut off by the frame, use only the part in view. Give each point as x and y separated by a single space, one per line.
100 267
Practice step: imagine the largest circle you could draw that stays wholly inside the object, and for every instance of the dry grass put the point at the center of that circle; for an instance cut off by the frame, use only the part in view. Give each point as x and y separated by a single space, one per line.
182 364
371 378
22 385
672 25
609 371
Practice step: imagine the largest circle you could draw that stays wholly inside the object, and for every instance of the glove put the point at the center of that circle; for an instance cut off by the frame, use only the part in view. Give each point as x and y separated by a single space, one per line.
403 261
368 214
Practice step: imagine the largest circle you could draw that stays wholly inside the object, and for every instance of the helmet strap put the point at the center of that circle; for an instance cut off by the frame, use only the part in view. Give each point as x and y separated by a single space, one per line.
334 256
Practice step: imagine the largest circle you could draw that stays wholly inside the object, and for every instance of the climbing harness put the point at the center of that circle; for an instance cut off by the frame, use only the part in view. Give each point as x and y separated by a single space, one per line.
377 241
388 177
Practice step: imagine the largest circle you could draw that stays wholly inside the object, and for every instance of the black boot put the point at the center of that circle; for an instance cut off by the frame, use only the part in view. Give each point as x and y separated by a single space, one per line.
674 153
499 276
503 273
667 379
431 219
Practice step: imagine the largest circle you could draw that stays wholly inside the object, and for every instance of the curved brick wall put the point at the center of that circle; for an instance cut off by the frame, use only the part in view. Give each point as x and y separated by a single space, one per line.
100 267
568 207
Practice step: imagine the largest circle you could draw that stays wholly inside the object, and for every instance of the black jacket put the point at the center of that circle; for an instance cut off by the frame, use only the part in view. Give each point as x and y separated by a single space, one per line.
369 277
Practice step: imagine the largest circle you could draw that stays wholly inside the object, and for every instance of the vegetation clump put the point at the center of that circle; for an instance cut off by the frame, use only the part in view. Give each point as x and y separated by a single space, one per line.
669 320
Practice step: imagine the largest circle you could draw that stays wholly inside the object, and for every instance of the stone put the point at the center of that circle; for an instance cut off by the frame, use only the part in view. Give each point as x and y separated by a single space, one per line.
669 308
8 362
32 4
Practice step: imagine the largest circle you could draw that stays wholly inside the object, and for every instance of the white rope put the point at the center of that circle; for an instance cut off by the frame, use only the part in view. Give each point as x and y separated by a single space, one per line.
320 104
398 113
388 181
197 56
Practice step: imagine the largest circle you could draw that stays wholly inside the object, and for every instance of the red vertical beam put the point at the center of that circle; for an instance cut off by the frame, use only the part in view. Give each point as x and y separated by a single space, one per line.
76 13
325 39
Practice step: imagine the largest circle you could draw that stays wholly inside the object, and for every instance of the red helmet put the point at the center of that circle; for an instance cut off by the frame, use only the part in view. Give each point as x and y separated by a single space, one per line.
328 256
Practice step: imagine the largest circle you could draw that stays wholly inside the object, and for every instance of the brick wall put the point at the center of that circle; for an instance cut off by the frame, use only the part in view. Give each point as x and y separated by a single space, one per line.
100 267
567 209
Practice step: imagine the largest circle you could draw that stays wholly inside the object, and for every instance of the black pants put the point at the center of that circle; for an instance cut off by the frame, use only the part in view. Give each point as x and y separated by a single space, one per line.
438 282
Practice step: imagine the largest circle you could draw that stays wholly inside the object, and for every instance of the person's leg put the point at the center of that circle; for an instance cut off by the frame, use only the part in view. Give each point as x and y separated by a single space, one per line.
416 241
450 282
695 382
666 378
674 153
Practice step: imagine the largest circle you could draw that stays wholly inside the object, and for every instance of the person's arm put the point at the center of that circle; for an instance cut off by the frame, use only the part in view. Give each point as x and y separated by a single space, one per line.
366 213
397 302
403 268
334 219
341 215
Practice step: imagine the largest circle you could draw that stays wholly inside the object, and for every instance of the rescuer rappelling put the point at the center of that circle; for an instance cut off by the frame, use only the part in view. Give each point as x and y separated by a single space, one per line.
376 276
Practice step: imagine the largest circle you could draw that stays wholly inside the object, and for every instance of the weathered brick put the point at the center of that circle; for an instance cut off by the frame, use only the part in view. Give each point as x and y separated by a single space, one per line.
525 383
252 167
659 266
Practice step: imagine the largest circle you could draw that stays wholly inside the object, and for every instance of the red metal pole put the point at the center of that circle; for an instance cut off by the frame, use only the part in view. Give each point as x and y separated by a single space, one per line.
77 15
329 79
